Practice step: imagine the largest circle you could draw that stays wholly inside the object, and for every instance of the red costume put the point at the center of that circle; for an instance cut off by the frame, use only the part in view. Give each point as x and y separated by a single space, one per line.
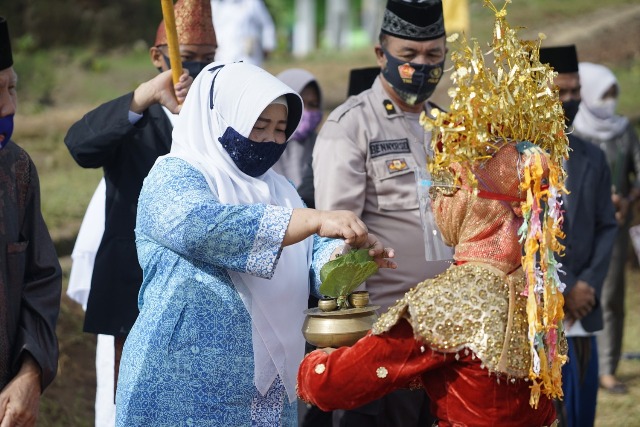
462 335
462 392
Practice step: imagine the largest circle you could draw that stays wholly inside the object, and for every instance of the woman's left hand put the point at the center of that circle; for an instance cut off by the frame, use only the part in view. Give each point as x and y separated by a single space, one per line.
377 250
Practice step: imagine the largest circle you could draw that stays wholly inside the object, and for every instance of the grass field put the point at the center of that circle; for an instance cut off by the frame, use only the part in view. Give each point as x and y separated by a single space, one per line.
57 87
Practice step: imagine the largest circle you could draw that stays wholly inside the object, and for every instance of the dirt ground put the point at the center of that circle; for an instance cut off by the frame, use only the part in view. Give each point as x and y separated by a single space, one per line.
609 37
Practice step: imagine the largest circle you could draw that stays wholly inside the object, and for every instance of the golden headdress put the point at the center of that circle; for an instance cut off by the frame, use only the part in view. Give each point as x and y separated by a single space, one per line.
513 100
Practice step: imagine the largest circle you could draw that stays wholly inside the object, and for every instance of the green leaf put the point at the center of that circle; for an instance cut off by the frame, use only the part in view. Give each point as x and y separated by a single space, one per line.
344 274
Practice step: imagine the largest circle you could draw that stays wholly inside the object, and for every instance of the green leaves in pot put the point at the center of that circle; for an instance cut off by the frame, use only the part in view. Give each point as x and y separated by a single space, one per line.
344 274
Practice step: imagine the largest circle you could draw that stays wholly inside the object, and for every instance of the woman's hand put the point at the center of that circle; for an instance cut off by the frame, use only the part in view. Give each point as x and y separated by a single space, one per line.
342 225
380 253
338 225
345 225
376 250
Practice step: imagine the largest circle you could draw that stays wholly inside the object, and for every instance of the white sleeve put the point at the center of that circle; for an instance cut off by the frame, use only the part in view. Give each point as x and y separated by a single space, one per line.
134 117
86 247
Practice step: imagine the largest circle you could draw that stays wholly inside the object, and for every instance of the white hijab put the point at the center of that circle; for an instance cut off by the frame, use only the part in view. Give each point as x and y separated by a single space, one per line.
239 93
595 80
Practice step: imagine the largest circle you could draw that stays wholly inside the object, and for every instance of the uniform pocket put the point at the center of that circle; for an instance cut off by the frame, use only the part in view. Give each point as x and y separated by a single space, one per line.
395 182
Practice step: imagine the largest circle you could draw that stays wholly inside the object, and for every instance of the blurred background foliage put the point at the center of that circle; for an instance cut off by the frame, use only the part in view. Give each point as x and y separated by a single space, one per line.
104 25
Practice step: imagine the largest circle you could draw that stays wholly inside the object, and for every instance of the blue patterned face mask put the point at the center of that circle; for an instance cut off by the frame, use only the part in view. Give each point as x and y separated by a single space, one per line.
252 158
6 129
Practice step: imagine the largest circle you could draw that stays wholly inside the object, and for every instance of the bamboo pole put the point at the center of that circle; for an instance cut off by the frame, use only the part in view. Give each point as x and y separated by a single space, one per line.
172 39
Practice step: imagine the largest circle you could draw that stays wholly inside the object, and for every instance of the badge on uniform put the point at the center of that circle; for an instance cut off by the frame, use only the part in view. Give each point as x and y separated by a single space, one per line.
396 165
391 146
388 106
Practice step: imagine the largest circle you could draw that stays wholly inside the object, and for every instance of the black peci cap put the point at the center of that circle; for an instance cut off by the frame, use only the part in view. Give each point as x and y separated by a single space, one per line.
6 59
563 59
413 19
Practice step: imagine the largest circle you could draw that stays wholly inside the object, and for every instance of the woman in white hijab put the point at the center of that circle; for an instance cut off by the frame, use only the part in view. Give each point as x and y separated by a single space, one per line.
228 254
598 123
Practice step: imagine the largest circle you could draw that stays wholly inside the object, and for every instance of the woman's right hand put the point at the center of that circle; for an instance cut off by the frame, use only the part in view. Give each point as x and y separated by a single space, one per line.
342 225
345 225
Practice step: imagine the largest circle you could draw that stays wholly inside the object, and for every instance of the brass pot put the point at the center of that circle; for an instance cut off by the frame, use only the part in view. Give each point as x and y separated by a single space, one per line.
338 328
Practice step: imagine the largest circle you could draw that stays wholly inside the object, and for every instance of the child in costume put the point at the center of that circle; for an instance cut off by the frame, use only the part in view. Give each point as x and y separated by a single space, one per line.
485 338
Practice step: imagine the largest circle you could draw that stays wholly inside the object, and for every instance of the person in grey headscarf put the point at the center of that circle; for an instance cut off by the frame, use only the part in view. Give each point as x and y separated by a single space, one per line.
597 122
295 162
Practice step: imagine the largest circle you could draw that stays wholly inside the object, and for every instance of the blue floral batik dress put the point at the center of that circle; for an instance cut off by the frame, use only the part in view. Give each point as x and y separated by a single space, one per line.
188 360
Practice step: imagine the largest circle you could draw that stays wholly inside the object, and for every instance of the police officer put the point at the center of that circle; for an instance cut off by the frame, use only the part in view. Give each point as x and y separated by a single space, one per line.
364 161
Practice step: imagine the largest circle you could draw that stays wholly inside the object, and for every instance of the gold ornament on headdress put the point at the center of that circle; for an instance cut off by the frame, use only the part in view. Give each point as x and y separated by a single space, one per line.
515 100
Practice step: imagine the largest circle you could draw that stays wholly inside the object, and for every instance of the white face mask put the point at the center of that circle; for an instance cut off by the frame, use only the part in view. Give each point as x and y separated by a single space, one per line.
604 108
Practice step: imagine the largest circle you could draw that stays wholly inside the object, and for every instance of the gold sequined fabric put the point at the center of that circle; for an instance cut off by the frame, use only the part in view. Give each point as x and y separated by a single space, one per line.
474 306
193 24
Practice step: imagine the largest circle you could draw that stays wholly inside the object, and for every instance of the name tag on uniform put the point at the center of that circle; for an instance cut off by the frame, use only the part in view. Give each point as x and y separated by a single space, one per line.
394 146
396 165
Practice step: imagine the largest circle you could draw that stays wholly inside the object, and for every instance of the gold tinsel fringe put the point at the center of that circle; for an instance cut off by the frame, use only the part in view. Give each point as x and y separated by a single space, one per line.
515 100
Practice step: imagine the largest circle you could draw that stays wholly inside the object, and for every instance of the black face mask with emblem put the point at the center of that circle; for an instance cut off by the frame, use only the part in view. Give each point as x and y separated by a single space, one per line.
414 83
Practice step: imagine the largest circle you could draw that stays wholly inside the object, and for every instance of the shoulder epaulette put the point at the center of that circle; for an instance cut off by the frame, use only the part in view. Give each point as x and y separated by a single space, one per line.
343 108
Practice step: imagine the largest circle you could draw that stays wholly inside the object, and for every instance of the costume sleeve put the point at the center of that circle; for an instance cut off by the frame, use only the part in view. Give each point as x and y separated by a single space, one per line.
177 210
605 228
323 247
340 176
93 140
374 366
40 301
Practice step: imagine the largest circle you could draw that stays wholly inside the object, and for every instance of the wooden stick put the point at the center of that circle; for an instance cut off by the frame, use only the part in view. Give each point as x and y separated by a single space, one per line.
172 39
